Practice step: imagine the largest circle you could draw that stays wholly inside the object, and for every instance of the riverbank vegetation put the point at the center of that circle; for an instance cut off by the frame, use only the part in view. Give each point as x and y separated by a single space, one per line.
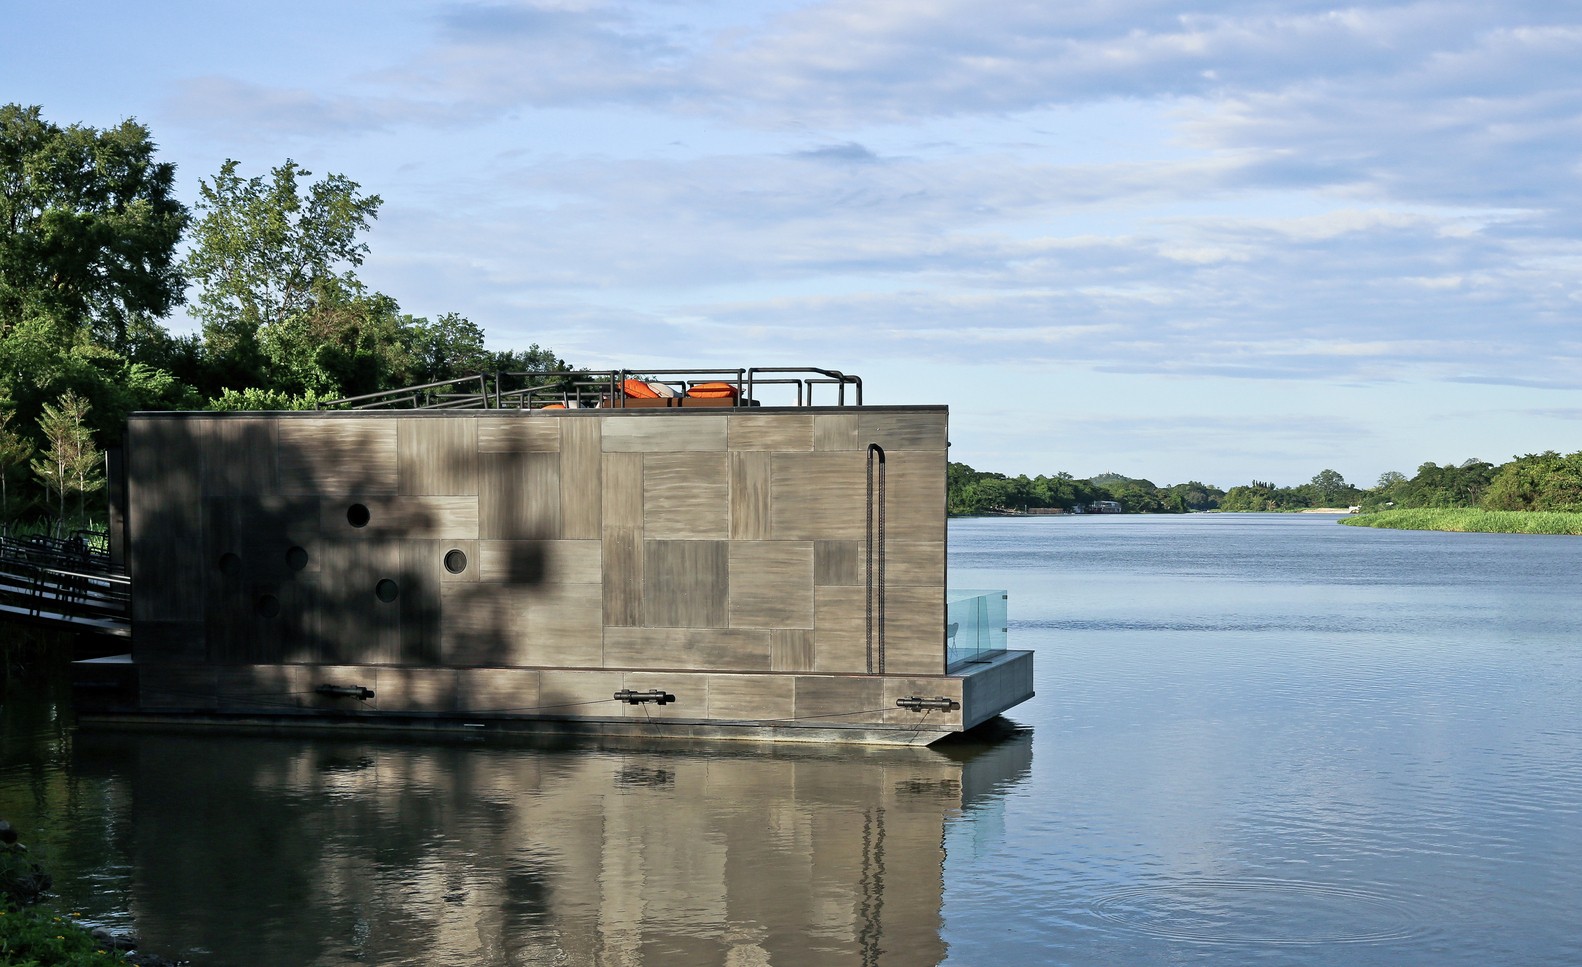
91 264
1473 520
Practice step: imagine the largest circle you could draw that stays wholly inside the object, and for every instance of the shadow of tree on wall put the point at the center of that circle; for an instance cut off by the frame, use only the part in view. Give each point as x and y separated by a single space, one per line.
254 546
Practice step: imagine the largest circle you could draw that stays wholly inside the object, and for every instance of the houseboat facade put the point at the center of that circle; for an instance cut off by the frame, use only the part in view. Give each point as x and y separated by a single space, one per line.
667 564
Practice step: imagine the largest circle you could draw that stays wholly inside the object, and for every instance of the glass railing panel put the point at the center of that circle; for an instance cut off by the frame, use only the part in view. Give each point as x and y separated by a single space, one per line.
975 625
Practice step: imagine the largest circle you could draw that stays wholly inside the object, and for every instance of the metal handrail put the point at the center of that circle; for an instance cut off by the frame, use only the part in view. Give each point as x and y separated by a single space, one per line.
597 387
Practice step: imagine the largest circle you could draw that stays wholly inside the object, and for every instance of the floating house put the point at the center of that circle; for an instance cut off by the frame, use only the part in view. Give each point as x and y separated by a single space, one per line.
593 552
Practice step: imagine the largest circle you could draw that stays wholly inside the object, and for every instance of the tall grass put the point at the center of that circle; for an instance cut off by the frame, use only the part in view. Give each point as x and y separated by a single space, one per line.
1472 520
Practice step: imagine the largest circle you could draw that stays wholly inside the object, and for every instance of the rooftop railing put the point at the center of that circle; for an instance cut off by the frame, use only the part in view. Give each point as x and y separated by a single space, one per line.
586 389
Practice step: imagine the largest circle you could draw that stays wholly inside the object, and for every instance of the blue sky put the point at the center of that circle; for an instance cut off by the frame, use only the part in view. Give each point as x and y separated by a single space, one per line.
1213 240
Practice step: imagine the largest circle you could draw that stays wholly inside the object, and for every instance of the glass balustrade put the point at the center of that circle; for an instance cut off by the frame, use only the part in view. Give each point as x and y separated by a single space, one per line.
975 625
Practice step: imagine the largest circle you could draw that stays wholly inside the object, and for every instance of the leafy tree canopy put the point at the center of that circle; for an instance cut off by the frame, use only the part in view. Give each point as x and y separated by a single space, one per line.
88 227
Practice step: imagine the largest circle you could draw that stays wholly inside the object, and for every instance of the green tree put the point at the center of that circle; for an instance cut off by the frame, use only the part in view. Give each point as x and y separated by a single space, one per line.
1537 481
88 227
69 464
14 453
266 252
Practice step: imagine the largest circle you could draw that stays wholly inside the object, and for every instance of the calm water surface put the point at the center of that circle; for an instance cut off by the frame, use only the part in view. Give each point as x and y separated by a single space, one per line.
1267 740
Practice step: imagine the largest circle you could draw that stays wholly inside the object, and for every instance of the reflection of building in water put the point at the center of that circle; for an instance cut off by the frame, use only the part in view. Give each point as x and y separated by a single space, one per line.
774 570
277 851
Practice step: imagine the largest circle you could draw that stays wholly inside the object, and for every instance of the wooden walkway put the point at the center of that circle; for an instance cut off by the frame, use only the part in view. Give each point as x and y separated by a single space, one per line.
63 584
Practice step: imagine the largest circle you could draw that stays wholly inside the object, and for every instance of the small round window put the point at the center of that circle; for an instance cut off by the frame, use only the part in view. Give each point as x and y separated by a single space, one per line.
357 515
230 565
296 558
268 606
387 590
456 561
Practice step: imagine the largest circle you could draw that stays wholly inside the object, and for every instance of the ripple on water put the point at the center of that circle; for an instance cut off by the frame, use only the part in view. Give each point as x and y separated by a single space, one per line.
1255 910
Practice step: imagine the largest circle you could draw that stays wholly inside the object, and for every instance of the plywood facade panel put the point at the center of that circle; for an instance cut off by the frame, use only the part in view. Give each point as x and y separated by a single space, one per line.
481 624
791 650
819 496
891 430
540 562
915 492
731 649
518 496
164 457
914 625
326 455
840 630
751 507
623 576
839 562
840 701
395 518
497 690
686 584
771 431
622 486
663 433
771 584
685 496
581 496
239 456
437 456
518 434
565 627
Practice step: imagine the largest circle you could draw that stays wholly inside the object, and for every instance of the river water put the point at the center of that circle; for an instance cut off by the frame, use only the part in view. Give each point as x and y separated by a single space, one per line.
1258 739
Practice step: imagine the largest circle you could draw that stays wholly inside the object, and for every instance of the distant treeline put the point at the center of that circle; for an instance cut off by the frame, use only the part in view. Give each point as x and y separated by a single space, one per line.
972 491
1538 482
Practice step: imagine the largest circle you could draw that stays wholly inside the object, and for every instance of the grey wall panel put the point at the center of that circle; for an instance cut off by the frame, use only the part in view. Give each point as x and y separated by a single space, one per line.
914 563
518 434
820 496
519 496
685 496
622 484
161 641
622 558
481 624
646 432
574 694
849 701
750 496
164 457
437 457
840 630
497 690
396 518
581 495
421 577
839 562
239 456
565 627
771 431
686 584
915 484
355 626
914 631
892 430
352 456
771 584
540 562
790 650
733 649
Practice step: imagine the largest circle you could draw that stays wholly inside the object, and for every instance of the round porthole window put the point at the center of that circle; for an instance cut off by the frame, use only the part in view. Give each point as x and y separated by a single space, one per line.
230 565
387 590
456 561
268 606
296 558
357 515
